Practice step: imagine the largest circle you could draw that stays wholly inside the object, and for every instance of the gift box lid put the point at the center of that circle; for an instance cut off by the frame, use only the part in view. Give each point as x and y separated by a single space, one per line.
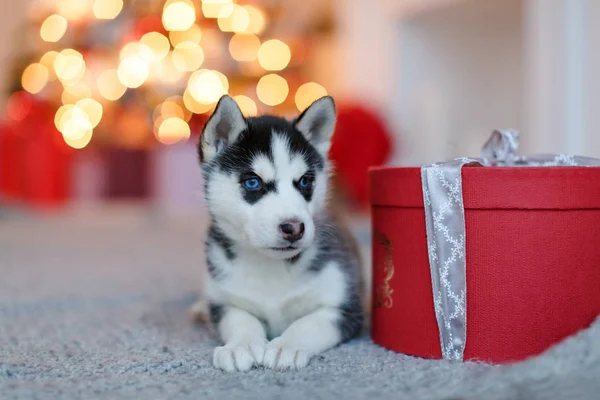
542 188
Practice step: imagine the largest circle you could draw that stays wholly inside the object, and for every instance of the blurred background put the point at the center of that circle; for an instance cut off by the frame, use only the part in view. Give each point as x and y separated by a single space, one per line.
102 101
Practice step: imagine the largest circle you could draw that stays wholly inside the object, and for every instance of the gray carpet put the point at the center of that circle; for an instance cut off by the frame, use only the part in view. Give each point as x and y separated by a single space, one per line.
93 305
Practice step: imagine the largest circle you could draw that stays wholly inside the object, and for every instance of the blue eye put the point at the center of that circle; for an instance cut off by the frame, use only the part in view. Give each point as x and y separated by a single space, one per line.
252 183
305 183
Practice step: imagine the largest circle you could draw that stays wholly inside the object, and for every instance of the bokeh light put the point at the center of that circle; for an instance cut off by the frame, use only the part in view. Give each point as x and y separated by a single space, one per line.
133 72
18 105
157 44
81 142
194 105
194 34
107 9
92 109
69 66
247 105
237 21
244 47
178 15
34 78
53 28
73 9
136 49
307 94
76 92
207 86
272 89
109 85
165 71
48 59
256 22
217 8
172 130
274 55
188 56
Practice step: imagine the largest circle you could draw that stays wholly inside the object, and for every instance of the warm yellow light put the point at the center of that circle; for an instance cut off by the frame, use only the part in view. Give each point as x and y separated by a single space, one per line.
92 109
133 72
75 124
246 104
53 28
48 59
165 71
272 89
194 34
257 20
207 86
194 105
179 15
238 21
217 8
69 66
109 85
73 9
274 55
35 78
107 9
60 113
307 94
136 49
188 56
244 47
169 109
172 130
81 142
76 92
157 44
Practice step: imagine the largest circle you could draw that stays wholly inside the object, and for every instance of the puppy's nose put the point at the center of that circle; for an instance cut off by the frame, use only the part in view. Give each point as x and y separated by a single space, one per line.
292 230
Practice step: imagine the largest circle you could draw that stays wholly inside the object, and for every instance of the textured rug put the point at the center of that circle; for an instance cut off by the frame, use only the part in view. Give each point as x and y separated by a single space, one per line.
94 305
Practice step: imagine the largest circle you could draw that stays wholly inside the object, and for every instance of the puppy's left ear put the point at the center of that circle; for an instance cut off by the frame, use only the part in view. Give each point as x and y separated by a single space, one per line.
317 123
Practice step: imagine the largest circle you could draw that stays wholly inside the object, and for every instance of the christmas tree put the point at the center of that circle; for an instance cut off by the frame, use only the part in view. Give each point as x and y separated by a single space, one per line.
142 72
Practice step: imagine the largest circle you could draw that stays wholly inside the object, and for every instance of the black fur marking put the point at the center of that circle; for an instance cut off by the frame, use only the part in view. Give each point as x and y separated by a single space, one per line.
252 196
306 193
217 236
215 272
216 313
351 319
257 140
294 259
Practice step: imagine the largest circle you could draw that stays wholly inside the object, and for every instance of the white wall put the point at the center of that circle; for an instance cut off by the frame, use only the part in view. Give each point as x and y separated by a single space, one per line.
12 17
461 76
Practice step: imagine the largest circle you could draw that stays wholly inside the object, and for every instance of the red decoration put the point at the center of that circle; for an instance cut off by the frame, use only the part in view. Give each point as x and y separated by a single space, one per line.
532 260
361 141
35 161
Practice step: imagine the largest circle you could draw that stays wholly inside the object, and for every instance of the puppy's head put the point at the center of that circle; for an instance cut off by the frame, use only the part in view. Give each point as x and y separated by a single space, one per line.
266 177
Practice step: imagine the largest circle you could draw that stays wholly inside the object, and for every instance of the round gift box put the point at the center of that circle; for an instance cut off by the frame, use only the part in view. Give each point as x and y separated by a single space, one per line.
532 260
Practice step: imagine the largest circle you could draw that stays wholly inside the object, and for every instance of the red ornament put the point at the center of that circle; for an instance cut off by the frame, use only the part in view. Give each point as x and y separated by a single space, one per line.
35 160
361 141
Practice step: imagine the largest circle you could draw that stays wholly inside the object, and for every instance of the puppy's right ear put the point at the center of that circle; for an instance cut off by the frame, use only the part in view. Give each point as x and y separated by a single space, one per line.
221 129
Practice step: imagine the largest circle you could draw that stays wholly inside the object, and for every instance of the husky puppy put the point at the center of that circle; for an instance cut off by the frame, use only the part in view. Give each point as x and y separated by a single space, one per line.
284 281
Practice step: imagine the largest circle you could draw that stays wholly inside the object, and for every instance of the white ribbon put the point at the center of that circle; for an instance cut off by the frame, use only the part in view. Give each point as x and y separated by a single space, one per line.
446 236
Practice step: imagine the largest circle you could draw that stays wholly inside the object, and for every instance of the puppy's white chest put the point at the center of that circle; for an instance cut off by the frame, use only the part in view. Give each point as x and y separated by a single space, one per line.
275 293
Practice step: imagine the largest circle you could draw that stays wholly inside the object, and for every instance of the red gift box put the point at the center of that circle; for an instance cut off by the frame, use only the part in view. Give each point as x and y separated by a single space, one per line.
532 260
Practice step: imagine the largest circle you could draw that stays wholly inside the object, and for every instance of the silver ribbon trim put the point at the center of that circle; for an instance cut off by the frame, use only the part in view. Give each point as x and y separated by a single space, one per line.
445 224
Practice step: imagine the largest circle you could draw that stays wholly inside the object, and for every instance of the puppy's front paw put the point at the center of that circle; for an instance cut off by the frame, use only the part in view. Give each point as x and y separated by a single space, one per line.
282 356
239 357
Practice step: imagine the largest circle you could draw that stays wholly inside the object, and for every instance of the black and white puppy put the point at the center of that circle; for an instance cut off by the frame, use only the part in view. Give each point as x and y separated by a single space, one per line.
284 283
